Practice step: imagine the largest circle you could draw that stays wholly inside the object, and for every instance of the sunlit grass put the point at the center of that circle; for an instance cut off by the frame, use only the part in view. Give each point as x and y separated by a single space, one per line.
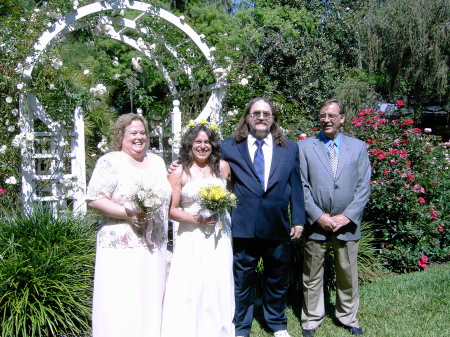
409 305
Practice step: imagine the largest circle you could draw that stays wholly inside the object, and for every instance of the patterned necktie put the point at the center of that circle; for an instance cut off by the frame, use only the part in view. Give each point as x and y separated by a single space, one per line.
259 161
333 157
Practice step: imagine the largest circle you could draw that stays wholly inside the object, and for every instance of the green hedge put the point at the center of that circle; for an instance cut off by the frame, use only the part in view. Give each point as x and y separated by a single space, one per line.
46 274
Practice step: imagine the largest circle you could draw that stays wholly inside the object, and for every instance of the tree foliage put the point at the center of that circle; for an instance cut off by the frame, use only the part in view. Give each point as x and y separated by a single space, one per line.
407 42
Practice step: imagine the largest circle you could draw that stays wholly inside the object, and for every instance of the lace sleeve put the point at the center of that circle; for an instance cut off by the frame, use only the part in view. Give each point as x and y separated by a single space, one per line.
104 180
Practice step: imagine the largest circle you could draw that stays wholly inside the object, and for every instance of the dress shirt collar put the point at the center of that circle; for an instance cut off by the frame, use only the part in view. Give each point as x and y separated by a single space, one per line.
326 141
267 141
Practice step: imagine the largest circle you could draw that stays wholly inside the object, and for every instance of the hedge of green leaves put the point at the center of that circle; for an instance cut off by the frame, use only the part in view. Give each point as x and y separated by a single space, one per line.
46 274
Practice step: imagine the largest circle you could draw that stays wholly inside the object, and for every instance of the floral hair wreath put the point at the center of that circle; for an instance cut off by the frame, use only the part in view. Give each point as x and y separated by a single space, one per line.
210 125
176 142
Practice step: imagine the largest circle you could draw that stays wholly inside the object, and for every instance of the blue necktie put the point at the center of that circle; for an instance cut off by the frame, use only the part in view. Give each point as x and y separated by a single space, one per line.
259 161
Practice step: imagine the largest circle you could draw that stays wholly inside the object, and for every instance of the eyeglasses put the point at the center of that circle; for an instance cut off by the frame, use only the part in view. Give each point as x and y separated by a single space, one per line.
331 117
257 114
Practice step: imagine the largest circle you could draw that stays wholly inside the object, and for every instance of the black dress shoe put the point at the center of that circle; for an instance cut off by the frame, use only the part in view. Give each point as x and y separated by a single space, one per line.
356 331
308 332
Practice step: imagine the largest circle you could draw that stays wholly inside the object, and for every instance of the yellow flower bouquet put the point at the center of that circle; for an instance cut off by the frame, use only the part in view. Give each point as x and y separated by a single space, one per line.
215 199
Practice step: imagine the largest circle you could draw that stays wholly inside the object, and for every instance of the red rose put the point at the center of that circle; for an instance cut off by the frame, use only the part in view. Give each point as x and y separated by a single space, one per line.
440 228
400 102
2 190
434 215
421 265
314 129
422 200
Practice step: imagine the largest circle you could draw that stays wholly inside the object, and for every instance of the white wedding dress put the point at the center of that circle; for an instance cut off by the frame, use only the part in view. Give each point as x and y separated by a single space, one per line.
199 300
130 274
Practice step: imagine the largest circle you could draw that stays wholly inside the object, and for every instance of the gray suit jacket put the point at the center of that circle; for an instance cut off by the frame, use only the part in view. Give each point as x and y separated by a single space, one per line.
346 194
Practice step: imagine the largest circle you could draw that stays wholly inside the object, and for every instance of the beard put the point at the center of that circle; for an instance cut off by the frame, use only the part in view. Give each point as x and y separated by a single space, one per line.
260 133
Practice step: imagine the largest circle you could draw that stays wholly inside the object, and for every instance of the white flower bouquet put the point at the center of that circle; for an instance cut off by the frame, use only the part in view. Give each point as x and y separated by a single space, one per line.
147 200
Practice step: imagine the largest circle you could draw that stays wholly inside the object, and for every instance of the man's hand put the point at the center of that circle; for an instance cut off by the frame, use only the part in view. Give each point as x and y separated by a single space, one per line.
326 222
172 167
296 232
340 220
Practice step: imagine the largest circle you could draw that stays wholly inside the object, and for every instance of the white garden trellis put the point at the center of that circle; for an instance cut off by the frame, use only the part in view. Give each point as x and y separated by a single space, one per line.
65 170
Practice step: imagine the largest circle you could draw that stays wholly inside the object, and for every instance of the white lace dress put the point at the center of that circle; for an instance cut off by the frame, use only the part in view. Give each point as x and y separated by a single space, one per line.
130 275
199 300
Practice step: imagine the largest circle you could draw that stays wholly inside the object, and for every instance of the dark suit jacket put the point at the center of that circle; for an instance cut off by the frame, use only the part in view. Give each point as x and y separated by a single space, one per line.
264 214
346 194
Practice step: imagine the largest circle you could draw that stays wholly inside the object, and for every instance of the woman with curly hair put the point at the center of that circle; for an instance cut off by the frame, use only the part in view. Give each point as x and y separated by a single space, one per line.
199 298
130 262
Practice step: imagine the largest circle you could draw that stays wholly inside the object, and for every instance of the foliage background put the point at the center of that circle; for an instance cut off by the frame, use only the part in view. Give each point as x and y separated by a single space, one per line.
297 53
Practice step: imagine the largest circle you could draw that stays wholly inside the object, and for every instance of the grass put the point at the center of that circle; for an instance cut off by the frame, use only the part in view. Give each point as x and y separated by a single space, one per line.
408 305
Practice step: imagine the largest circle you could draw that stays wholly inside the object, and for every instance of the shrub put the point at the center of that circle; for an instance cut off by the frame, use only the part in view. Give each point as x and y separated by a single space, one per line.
409 189
46 273
369 263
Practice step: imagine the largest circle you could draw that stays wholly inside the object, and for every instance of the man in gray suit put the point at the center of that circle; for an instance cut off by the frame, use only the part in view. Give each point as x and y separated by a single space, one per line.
335 172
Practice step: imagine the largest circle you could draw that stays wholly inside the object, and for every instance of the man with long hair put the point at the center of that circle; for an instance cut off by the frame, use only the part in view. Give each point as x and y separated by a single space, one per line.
266 180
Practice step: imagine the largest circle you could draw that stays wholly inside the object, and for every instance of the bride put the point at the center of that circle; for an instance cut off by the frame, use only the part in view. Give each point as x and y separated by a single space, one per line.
199 299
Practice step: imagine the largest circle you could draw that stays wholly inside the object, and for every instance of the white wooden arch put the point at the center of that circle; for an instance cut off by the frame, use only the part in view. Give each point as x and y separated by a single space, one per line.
57 171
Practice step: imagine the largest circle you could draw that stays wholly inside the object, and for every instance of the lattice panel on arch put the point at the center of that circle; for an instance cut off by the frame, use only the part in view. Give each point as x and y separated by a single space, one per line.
175 49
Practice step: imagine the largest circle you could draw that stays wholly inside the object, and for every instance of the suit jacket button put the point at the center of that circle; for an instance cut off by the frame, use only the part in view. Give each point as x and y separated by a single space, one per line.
336 187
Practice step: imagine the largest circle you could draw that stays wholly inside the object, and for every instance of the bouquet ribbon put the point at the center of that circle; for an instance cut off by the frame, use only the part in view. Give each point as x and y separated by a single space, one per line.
151 221
206 213
151 224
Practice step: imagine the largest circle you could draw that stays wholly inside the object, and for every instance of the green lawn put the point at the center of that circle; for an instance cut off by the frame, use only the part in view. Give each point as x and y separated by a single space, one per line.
410 305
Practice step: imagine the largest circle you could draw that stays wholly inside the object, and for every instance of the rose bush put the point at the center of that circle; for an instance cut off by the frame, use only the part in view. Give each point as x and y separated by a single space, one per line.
410 178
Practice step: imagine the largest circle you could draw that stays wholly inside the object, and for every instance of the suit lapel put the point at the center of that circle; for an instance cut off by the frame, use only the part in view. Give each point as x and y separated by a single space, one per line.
243 149
344 154
277 154
322 154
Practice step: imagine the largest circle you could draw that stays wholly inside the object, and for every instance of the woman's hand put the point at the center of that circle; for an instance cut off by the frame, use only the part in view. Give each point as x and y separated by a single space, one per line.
211 221
135 217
